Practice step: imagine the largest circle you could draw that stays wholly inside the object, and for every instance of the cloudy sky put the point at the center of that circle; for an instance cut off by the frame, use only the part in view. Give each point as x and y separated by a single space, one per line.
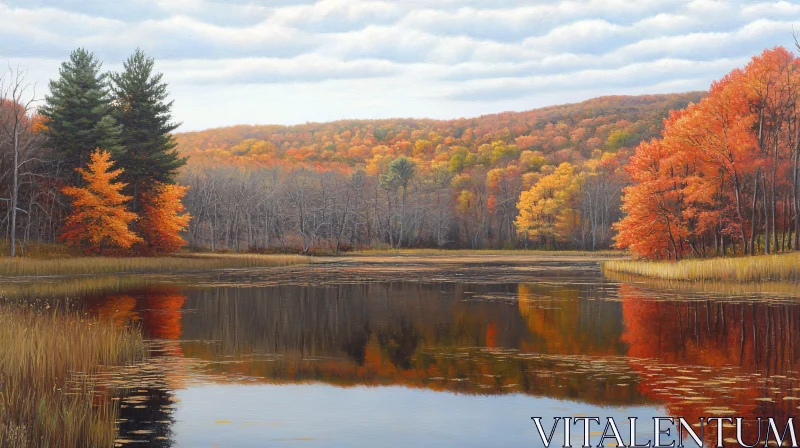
283 61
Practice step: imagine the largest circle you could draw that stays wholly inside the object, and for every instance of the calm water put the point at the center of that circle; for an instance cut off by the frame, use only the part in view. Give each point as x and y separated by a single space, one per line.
441 356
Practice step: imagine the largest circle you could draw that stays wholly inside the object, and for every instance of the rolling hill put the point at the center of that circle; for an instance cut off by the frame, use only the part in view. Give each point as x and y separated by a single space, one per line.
568 132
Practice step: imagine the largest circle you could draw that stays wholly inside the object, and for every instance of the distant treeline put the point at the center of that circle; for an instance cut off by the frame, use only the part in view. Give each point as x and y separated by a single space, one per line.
722 179
421 183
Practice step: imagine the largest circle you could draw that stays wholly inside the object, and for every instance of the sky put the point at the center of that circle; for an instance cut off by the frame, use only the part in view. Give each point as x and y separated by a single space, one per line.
286 62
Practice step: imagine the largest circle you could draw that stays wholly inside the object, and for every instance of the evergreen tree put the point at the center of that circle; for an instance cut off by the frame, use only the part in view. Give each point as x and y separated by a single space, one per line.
141 109
78 112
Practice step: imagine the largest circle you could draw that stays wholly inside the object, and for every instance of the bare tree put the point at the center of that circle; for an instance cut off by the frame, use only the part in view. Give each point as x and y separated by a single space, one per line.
17 98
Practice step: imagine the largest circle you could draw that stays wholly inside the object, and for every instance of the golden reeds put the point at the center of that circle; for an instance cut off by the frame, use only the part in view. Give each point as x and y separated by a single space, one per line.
69 287
47 358
783 267
141 265
769 290
458 252
39 250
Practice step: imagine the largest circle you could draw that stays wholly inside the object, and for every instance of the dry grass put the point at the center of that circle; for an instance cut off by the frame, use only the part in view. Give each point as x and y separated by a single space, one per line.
31 288
784 267
142 265
735 291
43 250
478 252
46 356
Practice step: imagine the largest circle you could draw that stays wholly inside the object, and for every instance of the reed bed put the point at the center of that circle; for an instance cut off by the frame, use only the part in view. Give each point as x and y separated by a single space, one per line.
770 290
47 356
472 252
31 288
142 265
40 250
783 267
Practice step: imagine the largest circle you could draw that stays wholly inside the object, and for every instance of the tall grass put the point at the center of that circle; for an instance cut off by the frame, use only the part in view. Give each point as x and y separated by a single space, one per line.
784 267
141 265
39 250
47 356
769 289
28 288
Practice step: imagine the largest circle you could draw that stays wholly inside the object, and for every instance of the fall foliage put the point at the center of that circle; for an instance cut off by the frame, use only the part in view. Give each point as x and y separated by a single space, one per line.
162 219
710 175
337 185
44 152
99 218
723 177
547 210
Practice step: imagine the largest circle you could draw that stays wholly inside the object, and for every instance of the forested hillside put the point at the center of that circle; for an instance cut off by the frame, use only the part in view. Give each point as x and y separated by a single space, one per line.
567 133
419 182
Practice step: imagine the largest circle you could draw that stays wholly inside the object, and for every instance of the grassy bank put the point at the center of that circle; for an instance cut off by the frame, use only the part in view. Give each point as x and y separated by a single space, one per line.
784 267
495 252
141 265
45 398
60 287
39 250
768 290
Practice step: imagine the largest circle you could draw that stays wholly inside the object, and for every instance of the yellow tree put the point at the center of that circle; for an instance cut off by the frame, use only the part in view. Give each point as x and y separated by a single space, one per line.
547 212
162 219
99 218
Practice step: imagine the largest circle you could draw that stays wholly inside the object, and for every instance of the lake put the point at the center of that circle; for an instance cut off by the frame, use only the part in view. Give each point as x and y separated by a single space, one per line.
439 353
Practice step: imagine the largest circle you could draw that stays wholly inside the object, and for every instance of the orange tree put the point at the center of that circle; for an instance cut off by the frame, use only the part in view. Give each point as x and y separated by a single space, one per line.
99 218
724 177
162 218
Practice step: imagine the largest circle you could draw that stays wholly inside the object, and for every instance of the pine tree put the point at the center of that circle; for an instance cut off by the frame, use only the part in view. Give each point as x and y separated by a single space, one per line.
162 219
141 109
100 219
78 111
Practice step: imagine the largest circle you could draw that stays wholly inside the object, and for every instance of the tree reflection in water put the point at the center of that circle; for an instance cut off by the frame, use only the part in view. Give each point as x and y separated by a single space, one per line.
715 358
594 342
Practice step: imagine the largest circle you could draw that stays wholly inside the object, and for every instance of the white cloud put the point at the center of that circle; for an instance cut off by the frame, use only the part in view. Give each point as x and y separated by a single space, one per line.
640 74
379 58
301 69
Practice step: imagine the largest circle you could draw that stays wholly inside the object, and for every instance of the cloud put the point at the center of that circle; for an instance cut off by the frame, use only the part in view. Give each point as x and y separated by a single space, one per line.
442 57
633 75
327 16
302 69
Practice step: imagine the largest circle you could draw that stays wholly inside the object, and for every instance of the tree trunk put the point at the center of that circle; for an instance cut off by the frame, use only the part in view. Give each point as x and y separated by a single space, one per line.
765 206
754 210
15 195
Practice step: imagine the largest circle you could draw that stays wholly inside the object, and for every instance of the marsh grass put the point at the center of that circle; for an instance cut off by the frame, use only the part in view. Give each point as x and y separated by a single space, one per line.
783 267
142 265
31 288
780 291
494 252
47 358
39 250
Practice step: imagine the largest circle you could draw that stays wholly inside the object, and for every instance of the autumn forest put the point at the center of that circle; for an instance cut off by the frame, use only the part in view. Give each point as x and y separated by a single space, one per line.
98 166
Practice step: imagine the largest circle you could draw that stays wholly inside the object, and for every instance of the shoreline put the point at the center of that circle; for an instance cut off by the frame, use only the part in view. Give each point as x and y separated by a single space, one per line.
760 268
73 266
209 261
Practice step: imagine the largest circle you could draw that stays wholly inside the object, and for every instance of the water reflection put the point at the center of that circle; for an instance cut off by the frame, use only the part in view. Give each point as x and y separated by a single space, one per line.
592 342
715 358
